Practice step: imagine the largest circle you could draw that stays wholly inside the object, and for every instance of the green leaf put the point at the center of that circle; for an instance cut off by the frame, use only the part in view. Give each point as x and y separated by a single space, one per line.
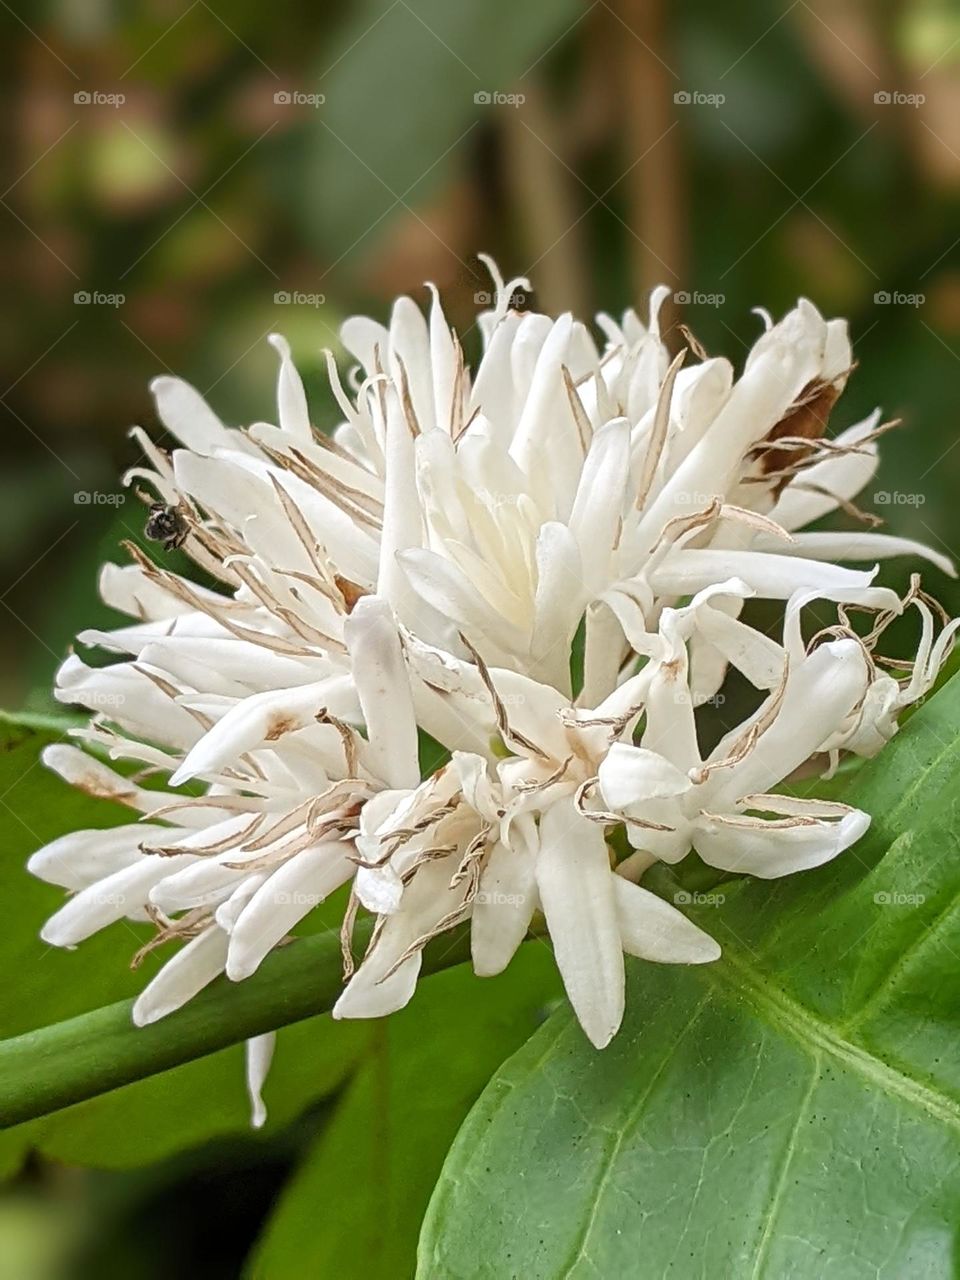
793 1109
380 1156
373 152
36 807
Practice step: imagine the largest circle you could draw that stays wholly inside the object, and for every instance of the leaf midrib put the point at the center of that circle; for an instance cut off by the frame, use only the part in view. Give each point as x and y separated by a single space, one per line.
815 1034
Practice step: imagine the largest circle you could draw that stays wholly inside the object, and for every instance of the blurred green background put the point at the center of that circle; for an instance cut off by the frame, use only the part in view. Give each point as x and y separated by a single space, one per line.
183 179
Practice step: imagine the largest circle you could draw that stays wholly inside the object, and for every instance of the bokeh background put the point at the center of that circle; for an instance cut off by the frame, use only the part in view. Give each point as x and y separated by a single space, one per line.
181 179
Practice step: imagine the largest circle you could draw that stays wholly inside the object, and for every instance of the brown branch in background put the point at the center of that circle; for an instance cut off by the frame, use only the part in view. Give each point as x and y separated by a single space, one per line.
548 201
656 207
851 48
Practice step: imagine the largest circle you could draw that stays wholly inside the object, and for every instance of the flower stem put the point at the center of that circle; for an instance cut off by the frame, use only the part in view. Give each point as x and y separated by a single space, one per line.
56 1066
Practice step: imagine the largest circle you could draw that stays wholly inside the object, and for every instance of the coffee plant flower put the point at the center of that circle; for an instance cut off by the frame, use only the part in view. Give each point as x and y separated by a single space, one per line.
541 562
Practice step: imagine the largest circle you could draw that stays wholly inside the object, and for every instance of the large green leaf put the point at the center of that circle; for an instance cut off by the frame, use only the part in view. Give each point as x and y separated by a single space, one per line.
354 1207
792 1110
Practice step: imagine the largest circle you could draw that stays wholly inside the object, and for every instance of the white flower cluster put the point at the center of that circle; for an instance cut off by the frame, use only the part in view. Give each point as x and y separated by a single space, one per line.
442 563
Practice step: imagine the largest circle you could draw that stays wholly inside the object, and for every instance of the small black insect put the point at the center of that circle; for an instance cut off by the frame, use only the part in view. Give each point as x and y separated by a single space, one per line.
167 525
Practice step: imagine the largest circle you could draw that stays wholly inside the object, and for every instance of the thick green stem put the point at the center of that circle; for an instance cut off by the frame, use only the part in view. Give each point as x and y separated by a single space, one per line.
56 1066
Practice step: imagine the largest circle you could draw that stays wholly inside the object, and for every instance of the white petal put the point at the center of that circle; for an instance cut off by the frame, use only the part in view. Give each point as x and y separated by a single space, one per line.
772 577
447 589
402 525
598 505
630 775
552 464
559 603
123 893
186 415
261 719
503 907
752 652
820 692
282 901
383 687
189 971
410 346
671 728
577 893
129 697
362 336
428 898
81 858
653 930
258 1053
291 397
865 546
755 847
809 496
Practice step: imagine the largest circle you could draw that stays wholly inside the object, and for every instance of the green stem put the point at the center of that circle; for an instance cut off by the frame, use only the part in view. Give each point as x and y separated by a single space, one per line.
68 1062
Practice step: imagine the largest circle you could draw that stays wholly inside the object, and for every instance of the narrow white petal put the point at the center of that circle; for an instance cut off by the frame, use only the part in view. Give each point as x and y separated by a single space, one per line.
864 546
502 909
653 930
630 775
383 687
186 415
81 858
123 893
189 971
258 1053
576 889
428 899
559 603
402 525
293 890
598 505
815 492
765 849
772 577
291 397
261 719
820 692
